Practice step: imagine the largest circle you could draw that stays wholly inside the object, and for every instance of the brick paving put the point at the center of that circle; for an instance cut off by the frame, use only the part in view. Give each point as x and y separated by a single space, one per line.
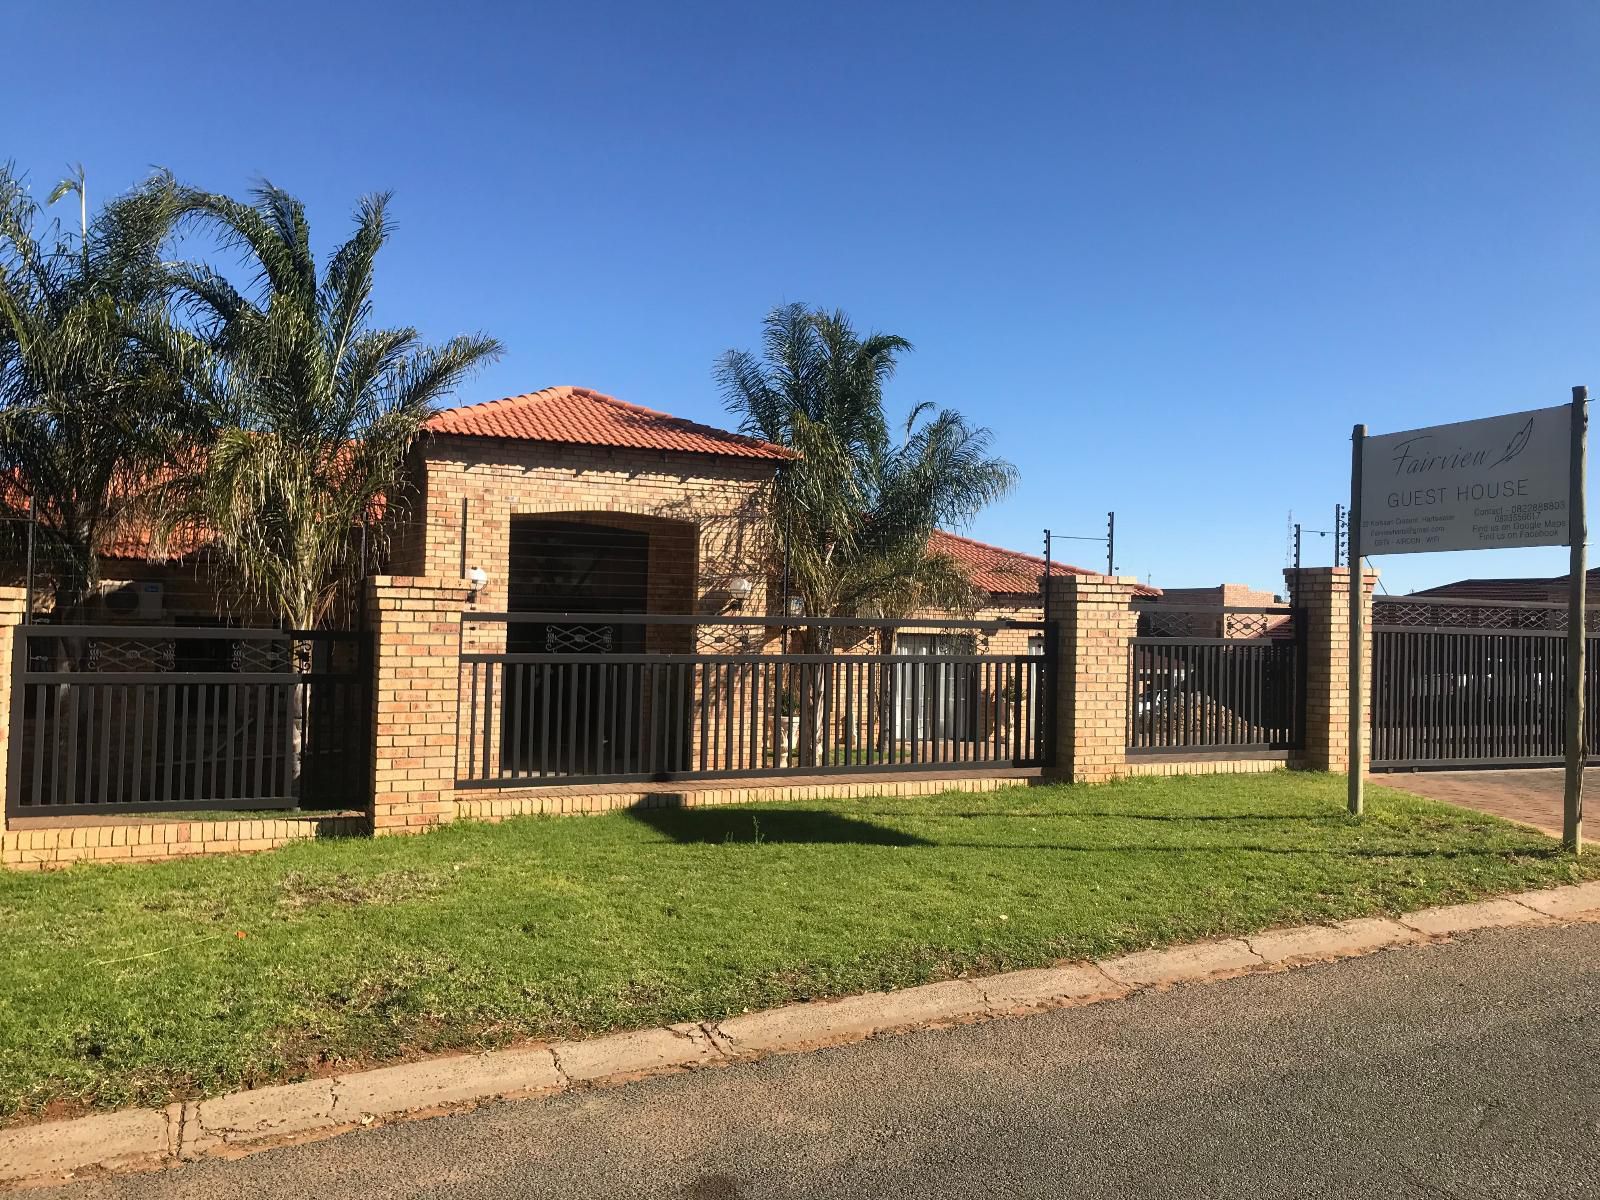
1528 795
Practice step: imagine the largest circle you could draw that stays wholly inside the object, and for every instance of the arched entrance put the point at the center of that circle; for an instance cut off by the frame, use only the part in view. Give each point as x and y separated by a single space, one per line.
607 566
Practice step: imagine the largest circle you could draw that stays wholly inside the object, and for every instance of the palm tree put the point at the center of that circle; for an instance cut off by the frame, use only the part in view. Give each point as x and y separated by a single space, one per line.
99 390
852 516
304 480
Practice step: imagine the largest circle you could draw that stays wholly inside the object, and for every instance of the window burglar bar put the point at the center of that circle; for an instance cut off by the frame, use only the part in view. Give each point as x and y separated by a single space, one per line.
665 711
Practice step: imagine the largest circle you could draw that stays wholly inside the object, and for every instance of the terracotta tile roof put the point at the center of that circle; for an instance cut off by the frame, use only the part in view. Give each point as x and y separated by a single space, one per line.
1006 572
578 416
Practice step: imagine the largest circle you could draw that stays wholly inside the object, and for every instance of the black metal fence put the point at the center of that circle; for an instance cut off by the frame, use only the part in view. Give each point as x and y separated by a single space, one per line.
127 719
1472 683
552 698
1215 680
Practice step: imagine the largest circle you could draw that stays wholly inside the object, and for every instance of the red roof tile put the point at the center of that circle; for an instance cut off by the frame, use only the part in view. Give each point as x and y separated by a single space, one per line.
578 416
1005 572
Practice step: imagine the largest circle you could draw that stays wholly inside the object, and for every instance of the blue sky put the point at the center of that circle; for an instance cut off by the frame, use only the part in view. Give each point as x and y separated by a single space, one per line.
1169 252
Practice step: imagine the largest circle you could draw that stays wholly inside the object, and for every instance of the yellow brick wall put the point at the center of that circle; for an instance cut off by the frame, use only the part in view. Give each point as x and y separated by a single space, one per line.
49 848
1322 596
1159 766
416 629
13 608
504 804
1096 626
706 515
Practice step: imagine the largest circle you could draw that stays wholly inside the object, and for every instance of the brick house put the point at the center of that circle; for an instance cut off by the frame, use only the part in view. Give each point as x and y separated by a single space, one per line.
570 500
1010 584
567 499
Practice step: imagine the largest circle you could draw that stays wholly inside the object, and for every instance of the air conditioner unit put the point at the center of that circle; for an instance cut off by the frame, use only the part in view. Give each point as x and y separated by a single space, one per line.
141 599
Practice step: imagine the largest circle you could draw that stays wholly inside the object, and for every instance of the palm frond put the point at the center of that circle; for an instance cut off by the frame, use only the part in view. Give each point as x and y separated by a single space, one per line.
323 409
99 389
852 517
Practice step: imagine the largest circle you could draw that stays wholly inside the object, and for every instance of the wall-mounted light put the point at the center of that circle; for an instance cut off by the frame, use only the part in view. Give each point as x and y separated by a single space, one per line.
739 588
478 578
797 606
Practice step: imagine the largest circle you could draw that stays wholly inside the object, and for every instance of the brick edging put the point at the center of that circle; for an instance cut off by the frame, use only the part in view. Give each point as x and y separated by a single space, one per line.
244 1122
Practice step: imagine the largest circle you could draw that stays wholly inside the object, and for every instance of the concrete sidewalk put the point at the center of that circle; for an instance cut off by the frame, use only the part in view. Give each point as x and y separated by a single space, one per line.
228 1126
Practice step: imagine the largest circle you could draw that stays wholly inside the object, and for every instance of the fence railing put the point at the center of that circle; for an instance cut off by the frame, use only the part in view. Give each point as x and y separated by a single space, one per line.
1214 694
1472 683
128 719
552 698
1449 612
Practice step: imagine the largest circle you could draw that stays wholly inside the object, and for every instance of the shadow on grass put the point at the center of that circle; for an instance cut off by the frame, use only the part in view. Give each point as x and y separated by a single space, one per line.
818 827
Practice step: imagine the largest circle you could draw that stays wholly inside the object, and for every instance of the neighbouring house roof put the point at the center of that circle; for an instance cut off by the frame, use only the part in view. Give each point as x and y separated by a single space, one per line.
1553 587
1002 572
579 416
135 540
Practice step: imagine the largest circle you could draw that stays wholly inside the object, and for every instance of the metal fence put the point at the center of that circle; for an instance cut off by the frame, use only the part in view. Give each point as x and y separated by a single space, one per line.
560 698
1472 683
128 719
1215 681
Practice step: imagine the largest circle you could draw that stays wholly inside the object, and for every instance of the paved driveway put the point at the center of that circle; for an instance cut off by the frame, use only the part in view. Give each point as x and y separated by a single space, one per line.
1529 795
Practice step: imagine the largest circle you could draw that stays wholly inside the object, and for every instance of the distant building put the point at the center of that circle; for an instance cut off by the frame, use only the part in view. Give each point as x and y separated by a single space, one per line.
1220 624
1550 590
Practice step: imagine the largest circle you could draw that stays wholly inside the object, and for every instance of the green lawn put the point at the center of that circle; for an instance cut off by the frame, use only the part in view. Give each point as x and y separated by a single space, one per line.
125 985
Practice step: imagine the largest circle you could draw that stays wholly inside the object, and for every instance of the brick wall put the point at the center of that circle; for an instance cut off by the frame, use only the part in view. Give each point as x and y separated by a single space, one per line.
13 608
706 515
1322 596
1094 629
416 628
43 847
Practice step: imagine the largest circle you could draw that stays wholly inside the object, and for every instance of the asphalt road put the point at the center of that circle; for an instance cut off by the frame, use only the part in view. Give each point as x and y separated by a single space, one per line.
1464 1070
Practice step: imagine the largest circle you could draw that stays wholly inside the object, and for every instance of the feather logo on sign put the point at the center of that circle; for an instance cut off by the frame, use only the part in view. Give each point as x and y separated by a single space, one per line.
1516 445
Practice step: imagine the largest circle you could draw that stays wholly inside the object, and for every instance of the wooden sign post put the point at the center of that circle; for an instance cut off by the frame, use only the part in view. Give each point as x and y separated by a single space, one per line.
1577 626
1498 482
1355 798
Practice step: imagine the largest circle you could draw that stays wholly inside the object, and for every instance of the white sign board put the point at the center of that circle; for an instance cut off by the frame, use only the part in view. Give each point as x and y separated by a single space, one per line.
1474 485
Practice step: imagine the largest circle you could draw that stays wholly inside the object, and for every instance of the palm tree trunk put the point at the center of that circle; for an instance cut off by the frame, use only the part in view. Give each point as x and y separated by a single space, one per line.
816 678
300 663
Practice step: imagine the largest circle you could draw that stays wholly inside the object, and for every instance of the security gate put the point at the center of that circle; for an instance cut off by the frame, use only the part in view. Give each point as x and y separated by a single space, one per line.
1464 683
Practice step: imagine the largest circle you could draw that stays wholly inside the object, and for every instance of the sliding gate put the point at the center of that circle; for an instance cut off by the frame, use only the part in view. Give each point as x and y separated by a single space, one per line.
1471 683
563 698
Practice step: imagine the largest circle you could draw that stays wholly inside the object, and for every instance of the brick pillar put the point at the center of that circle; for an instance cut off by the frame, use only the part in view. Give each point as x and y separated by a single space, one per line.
13 607
416 627
1094 633
1321 597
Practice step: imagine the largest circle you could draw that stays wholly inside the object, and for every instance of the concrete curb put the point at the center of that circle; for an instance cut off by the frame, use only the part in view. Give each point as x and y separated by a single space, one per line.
245 1122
